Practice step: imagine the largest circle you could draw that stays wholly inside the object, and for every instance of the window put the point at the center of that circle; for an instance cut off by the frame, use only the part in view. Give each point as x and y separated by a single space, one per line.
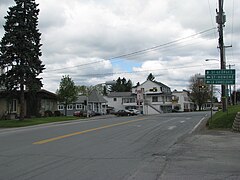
154 99
114 99
14 106
79 106
69 107
60 107
129 100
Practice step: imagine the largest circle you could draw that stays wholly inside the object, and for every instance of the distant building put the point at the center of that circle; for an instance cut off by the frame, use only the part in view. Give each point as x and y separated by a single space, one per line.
181 101
150 97
121 100
35 104
94 103
153 97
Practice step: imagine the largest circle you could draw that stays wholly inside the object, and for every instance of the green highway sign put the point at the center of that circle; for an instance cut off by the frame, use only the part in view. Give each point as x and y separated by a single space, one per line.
220 76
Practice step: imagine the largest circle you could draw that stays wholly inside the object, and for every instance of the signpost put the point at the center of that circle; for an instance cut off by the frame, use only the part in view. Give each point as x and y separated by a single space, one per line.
220 76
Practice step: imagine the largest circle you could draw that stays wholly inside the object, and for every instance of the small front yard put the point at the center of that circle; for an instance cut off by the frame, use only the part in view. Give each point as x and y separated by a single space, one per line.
34 121
224 120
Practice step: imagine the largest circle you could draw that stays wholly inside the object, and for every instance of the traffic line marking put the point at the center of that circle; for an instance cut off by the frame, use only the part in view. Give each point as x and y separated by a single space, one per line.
171 127
195 127
85 131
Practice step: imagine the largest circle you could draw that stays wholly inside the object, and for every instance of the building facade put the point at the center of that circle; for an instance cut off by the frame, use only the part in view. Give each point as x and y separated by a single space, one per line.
94 103
36 104
181 101
153 97
121 100
150 97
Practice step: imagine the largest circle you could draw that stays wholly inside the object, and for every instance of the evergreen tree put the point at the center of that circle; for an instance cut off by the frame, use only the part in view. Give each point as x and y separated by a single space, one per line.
20 49
122 85
150 77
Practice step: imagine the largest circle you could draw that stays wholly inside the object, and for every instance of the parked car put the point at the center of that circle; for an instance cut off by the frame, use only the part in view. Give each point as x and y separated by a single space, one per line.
84 113
124 113
78 113
134 111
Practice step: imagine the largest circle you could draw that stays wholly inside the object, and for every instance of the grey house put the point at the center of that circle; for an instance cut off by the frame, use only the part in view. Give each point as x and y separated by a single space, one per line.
92 103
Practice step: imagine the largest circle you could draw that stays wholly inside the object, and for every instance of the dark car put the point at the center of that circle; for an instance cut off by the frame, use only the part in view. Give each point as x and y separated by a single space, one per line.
124 113
84 113
78 113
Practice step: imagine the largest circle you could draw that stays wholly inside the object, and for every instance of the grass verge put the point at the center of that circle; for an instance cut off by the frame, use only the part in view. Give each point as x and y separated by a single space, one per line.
34 121
223 120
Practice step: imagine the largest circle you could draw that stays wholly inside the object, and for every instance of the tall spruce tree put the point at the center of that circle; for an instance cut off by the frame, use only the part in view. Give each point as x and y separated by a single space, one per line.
20 49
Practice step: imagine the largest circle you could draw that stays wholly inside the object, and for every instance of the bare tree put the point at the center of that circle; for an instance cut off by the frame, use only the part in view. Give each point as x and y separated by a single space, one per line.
199 91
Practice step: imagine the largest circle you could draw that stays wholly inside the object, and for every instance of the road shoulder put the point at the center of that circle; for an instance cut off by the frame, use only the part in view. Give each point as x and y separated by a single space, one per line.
205 154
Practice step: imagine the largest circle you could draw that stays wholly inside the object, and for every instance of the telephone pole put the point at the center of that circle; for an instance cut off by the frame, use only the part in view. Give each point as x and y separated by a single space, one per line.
221 19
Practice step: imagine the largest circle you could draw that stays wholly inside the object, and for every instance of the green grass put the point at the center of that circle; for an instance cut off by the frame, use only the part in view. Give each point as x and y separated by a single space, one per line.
34 121
224 120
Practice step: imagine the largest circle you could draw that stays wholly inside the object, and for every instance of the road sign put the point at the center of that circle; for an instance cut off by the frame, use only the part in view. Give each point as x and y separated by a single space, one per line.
220 76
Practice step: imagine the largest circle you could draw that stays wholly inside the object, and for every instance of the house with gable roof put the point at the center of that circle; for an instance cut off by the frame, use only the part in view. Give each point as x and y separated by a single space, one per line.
94 103
153 97
181 101
150 97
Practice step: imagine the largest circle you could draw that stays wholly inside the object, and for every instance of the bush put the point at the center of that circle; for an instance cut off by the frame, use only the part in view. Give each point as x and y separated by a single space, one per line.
57 113
48 113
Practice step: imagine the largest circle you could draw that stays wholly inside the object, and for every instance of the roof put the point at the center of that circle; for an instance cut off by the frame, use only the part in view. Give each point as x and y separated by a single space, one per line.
158 83
96 97
120 94
81 99
161 84
41 93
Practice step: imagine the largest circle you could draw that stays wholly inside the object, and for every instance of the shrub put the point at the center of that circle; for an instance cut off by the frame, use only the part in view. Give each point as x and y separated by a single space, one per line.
48 113
57 113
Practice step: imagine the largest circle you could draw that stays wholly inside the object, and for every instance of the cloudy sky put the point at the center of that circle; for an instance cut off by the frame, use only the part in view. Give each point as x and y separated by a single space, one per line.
94 41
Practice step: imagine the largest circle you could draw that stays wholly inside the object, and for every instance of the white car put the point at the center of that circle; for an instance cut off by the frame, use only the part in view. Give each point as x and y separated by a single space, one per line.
215 108
134 111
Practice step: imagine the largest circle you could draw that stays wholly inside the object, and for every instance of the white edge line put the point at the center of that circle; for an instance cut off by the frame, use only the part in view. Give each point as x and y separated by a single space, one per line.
195 127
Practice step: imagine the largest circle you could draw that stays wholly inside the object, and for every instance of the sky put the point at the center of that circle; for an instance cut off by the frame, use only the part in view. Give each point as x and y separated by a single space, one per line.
94 41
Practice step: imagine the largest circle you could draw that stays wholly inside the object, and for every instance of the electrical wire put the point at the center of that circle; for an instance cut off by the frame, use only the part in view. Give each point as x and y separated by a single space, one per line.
135 72
143 51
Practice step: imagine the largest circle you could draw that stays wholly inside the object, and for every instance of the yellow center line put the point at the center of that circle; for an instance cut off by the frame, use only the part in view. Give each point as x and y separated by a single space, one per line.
85 131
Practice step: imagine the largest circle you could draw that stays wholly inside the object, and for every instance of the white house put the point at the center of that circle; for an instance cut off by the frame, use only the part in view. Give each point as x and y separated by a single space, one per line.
153 97
150 97
181 101
121 100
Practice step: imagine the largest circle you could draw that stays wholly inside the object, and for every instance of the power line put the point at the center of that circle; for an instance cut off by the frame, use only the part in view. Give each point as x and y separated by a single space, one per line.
143 51
134 72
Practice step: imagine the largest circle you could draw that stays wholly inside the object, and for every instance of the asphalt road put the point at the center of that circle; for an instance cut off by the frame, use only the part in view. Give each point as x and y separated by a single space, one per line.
112 148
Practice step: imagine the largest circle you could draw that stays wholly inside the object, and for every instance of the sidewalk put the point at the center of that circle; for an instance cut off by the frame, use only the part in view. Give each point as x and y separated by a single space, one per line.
207 154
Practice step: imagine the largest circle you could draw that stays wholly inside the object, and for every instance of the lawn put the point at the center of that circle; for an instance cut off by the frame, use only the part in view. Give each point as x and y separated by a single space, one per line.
224 120
34 121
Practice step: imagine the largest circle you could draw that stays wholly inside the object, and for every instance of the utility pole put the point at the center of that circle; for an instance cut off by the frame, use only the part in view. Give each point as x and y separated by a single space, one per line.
230 88
221 19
